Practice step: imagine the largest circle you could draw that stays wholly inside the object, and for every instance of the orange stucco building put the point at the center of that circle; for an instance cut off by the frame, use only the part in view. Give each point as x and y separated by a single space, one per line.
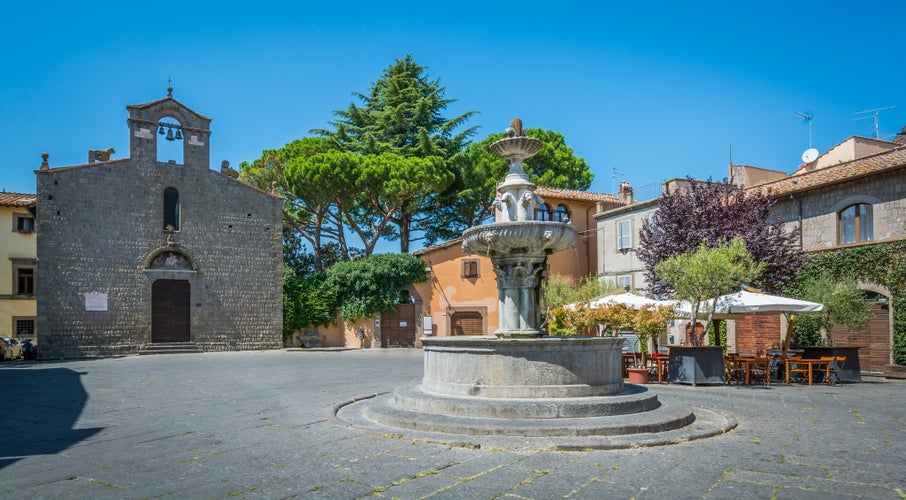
460 295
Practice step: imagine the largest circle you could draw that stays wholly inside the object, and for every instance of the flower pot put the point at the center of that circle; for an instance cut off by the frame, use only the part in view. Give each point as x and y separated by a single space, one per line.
638 375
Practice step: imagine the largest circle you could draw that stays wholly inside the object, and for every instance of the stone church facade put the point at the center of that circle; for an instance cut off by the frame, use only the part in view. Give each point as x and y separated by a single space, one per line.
136 252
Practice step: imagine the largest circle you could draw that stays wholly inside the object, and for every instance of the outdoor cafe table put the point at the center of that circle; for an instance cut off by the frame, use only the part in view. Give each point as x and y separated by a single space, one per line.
803 361
750 362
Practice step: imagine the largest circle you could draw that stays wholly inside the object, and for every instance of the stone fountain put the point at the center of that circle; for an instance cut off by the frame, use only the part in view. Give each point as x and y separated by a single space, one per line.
520 388
517 244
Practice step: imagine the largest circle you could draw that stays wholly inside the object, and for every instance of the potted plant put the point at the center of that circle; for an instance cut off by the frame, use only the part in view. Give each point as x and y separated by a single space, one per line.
650 321
637 375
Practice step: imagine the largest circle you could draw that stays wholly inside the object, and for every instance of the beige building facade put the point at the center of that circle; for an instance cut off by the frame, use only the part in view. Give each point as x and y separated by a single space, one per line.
18 266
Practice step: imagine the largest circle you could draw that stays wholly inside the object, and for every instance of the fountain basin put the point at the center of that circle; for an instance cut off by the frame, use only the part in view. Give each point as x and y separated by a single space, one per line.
518 237
516 148
545 367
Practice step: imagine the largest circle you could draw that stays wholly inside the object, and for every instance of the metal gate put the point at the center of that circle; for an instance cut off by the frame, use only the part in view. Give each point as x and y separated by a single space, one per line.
873 339
467 323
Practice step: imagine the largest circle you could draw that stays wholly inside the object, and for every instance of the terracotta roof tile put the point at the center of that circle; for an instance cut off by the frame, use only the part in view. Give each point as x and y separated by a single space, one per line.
16 199
574 194
888 160
439 246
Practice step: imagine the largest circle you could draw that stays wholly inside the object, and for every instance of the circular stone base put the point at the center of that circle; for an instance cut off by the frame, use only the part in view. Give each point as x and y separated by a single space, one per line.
633 399
565 393
665 424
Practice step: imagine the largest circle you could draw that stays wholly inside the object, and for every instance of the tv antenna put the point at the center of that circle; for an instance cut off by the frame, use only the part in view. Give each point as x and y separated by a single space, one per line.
613 177
807 117
877 123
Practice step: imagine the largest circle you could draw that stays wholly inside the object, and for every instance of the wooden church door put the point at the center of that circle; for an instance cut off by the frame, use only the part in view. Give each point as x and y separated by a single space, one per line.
170 311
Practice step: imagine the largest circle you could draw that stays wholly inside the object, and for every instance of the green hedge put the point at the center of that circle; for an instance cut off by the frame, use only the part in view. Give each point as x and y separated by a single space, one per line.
882 263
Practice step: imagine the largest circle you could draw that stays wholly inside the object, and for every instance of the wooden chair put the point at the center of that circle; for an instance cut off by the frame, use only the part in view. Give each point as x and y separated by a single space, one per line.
832 369
798 373
761 372
630 360
733 371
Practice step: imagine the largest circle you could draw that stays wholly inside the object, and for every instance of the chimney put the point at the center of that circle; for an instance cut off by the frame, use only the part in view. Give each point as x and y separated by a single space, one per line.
625 193
901 136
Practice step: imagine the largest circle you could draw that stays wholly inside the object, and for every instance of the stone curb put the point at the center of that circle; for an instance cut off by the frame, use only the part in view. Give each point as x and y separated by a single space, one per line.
704 423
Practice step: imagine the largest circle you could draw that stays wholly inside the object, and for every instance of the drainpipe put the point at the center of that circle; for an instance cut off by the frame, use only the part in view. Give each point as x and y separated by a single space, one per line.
587 246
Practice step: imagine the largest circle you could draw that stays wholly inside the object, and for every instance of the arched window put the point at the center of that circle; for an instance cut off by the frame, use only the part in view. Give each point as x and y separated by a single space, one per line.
562 214
854 224
542 212
171 208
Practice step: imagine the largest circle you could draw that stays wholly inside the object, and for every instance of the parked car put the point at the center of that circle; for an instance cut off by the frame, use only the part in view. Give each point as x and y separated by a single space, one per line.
10 348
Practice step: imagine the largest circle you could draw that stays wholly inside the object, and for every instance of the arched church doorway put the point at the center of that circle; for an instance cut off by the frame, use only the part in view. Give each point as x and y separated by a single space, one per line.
170 311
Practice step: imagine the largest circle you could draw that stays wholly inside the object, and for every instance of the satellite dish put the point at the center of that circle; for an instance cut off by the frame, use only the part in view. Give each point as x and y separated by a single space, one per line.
810 155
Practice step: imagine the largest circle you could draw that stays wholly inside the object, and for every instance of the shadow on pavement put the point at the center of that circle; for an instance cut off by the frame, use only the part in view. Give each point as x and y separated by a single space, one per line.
40 407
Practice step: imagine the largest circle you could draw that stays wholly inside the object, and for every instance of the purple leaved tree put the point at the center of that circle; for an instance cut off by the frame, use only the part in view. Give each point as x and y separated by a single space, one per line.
715 212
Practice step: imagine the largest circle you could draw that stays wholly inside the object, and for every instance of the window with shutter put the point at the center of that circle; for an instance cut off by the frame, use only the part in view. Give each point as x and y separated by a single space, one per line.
624 235
470 268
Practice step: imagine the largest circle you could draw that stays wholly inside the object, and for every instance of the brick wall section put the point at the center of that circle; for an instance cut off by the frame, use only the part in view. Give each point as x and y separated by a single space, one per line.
756 334
99 225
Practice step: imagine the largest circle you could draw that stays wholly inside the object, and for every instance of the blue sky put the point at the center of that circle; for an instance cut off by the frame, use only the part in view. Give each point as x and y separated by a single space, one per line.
653 90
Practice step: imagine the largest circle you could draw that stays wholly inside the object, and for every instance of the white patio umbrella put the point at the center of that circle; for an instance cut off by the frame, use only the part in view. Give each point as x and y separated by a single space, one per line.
630 300
627 299
744 302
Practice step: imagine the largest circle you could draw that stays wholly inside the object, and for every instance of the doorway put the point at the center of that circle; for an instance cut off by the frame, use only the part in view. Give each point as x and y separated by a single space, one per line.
398 327
170 311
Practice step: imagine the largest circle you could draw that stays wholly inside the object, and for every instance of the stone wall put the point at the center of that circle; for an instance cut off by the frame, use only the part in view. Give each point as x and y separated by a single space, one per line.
886 193
100 225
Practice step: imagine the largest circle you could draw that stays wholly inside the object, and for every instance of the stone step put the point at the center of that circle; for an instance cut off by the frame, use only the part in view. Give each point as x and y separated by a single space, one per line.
170 348
669 423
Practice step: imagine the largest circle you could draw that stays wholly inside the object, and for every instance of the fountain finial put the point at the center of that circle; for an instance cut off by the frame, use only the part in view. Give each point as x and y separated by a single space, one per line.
515 128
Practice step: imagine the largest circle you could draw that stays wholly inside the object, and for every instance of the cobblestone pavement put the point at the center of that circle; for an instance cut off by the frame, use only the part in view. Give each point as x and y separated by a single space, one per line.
255 425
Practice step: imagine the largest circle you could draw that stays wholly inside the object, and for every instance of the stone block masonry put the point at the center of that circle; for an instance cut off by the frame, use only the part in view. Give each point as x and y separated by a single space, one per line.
100 228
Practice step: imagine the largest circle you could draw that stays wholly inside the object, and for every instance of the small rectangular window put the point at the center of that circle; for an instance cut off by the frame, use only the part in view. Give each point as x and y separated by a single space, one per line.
23 223
24 327
25 281
625 281
469 268
624 234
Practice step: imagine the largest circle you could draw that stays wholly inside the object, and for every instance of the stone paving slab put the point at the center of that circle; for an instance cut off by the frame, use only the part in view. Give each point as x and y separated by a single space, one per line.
257 425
